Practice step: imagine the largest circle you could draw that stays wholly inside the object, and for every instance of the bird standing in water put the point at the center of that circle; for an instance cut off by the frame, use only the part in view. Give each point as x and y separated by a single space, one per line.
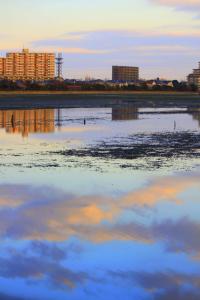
174 125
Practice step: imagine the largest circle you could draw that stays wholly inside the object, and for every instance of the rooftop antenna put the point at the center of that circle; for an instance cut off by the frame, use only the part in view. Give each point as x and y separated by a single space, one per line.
59 64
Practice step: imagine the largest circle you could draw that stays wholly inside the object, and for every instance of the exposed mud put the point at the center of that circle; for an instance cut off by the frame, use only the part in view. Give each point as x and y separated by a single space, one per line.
154 151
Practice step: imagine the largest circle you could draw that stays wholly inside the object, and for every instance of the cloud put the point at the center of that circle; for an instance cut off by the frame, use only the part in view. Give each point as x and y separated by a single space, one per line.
74 50
83 51
179 4
158 280
179 236
163 285
167 189
175 236
96 51
43 219
10 297
34 268
56 216
51 251
118 40
42 262
95 218
178 294
12 196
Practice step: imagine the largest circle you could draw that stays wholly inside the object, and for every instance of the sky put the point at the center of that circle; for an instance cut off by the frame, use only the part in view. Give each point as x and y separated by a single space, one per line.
162 37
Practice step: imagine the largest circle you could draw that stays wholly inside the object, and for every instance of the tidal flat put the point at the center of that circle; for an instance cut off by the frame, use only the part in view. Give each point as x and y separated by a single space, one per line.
99 197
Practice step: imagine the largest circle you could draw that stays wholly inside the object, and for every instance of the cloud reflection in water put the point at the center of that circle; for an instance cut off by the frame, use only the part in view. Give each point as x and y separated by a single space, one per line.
40 226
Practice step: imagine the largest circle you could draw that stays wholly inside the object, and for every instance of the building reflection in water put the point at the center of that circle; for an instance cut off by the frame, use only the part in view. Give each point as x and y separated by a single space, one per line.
125 112
27 121
195 112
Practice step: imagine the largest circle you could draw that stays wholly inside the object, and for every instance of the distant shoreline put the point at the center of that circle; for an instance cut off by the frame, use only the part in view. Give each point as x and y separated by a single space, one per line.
16 93
91 99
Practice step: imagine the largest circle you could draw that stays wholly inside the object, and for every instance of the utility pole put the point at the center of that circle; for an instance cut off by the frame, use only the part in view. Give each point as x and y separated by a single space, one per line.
59 64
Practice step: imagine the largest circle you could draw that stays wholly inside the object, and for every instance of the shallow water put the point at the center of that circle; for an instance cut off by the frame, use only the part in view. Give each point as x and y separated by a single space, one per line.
99 203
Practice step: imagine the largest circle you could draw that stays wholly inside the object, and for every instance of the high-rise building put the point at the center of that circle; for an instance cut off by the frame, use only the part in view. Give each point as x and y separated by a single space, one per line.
125 74
27 66
194 78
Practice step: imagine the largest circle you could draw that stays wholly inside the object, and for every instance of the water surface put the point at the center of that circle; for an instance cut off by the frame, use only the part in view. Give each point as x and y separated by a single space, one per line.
99 203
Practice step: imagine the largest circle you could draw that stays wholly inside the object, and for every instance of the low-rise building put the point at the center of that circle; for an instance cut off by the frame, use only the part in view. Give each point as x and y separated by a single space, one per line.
159 83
